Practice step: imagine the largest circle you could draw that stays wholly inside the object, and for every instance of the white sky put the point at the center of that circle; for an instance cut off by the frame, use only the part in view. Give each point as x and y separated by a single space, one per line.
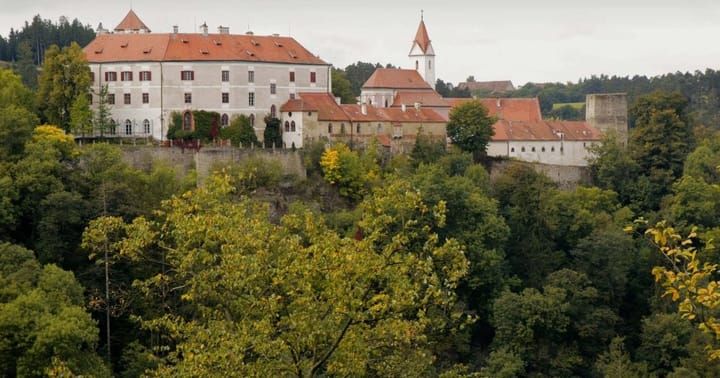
518 40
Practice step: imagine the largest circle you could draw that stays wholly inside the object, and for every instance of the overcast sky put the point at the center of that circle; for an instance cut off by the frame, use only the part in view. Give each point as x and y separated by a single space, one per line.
518 40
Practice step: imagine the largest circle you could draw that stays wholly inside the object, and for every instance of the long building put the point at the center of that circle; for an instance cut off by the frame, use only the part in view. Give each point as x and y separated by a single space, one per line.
151 75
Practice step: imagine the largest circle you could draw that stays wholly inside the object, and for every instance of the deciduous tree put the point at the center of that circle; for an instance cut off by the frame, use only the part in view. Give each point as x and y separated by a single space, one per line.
470 127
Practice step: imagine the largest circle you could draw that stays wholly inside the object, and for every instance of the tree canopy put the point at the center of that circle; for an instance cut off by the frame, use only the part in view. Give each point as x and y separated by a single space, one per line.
470 127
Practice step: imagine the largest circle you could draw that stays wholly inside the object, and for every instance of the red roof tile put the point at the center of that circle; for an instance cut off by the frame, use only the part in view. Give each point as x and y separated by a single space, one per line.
322 103
426 98
511 109
197 47
422 38
393 78
488 86
412 115
384 140
131 22
544 130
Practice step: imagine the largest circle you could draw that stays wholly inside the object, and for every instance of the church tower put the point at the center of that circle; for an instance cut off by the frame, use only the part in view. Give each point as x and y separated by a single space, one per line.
422 55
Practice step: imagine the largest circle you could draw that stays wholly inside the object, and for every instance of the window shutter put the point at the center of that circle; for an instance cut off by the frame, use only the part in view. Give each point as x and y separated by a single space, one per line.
106 76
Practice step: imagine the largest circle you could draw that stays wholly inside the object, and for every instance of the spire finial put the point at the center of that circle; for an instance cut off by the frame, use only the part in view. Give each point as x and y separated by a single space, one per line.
422 15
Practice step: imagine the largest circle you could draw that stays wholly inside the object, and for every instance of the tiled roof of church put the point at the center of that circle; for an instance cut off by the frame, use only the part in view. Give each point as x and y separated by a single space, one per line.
395 78
421 37
488 86
197 47
131 22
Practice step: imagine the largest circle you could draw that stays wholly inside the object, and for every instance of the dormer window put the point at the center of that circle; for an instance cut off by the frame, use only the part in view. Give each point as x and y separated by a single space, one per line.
183 40
216 42
254 42
124 44
278 44
147 50
204 51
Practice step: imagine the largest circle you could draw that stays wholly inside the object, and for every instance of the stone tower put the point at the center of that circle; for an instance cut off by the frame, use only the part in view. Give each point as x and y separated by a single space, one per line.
422 54
608 112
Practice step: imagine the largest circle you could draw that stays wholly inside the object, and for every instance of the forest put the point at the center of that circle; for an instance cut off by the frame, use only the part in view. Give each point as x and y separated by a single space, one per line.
374 265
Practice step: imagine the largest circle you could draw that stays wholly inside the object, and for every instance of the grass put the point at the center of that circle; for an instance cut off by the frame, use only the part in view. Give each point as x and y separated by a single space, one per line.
576 105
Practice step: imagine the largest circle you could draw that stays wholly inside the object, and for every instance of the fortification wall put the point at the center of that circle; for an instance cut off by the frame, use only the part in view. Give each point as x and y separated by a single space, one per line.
608 111
567 177
202 160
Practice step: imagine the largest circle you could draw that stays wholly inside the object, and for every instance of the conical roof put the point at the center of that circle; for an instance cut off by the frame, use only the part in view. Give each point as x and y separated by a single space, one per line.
422 38
131 22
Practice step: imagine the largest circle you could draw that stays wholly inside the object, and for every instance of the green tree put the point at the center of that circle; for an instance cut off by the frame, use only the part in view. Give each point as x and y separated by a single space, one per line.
296 299
64 77
102 121
43 324
470 127
14 92
341 87
660 142
617 363
240 132
272 136
613 167
81 117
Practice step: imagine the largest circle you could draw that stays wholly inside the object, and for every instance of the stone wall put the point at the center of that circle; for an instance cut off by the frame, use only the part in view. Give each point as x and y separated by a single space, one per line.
608 111
186 160
567 177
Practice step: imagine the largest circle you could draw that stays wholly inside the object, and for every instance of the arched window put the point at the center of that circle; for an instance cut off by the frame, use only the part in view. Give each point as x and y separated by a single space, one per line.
113 127
379 128
187 121
543 149
552 149
128 127
512 149
533 149
329 128
273 111
417 65
430 64
252 120
146 126
224 120
522 149
386 103
292 126
342 128
357 128
287 126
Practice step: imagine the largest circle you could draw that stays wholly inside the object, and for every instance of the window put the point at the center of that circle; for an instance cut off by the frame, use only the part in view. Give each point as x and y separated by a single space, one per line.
110 76
146 98
292 76
292 126
187 75
146 126
552 149
113 126
145 75
252 120
128 127
251 76
251 99
379 128
342 128
224 120
313 77
512 149
292 96
329 128
187 121
126 98
273 88
111 99
92 76
543 149
273 111
533 149
126 76
287 126
417 65
522 149
357 128
225 97
225 75
188 98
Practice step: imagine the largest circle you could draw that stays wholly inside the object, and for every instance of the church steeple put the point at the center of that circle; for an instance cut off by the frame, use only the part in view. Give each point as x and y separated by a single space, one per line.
422 54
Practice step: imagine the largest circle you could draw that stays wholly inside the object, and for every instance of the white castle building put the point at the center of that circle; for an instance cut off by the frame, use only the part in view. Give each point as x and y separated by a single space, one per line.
151 75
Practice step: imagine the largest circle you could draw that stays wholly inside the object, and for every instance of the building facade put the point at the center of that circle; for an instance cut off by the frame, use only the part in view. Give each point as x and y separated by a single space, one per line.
149 76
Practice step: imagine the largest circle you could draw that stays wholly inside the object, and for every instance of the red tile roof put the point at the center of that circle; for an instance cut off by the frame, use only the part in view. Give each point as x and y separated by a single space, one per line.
511 109
426 98
328 110
393 78
544 130
197 47
131 22
421 37
488 86
322 103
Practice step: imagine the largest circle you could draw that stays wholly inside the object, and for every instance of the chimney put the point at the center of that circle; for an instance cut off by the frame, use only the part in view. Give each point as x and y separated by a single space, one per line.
249 32
417 105
175 29
276 35
338 100
403 107
363 108
204 29
223 29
